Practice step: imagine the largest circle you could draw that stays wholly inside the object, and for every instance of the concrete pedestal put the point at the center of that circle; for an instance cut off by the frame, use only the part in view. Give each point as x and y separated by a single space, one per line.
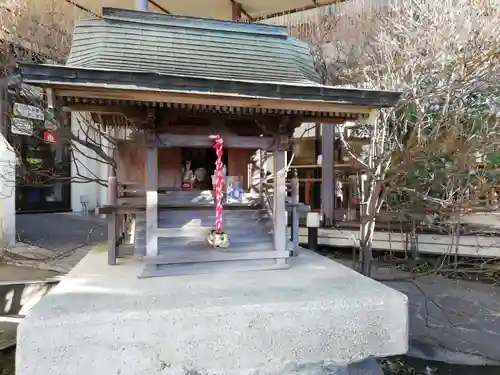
317 315
7 194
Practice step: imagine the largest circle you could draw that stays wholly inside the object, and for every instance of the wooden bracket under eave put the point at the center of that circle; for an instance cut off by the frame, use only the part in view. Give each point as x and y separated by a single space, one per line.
198 100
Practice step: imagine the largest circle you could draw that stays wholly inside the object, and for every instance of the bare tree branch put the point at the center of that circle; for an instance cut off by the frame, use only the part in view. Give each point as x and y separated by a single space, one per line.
437 150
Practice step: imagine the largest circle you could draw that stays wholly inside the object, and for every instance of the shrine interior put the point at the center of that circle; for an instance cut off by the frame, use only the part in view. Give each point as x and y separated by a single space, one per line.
202 164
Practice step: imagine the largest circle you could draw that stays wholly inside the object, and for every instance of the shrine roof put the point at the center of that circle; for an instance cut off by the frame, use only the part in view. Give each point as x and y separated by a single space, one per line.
126 40
146 51
94 79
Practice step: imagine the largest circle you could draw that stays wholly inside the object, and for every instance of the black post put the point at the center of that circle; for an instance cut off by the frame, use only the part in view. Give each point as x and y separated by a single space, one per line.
312 237
312 223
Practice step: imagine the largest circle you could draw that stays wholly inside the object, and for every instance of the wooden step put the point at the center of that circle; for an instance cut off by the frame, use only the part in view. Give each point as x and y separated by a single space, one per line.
210 268
245 243
212 255
183 247
197 223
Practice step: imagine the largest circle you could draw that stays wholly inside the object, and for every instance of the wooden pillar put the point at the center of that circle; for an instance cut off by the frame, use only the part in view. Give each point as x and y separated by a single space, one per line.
151 187
315 194
263 172
295 211
353 193
284 137
112 201
279 210
254 185
328 174
307 193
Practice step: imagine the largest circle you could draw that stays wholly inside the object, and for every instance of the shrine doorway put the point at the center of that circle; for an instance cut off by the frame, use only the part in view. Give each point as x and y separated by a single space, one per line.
204 158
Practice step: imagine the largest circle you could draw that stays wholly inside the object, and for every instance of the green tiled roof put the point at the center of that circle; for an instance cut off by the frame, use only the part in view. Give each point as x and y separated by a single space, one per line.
135 41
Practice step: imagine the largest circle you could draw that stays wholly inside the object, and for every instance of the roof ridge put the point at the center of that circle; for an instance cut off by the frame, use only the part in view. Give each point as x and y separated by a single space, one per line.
158 43
136 16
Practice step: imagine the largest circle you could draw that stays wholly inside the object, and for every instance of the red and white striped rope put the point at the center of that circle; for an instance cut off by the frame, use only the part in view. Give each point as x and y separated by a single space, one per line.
219 183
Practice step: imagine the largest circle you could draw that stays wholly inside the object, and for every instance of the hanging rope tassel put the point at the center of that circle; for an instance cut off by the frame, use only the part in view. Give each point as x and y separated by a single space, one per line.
216 237
219 183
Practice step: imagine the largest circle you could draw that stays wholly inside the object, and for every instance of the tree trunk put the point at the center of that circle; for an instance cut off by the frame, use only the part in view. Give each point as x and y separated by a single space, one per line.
367 227
365 246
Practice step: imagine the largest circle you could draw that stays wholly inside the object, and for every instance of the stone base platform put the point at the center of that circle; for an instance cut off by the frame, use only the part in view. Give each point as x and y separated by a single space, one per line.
104 320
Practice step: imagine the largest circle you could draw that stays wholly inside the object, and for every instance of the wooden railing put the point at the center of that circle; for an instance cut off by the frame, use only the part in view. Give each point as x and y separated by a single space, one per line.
121 219
121 223
267 192
478 201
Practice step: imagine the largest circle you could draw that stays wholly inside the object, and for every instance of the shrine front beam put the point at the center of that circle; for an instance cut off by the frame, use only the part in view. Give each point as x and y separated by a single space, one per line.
230 141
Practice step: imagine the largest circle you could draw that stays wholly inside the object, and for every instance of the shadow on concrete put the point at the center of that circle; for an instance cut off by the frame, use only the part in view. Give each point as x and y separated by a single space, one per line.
18 298
60 232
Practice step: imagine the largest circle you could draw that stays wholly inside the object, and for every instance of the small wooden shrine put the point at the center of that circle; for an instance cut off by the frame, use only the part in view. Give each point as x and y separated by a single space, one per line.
183 84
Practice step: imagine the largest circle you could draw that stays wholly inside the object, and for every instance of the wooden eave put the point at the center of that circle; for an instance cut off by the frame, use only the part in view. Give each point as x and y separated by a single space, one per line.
231 96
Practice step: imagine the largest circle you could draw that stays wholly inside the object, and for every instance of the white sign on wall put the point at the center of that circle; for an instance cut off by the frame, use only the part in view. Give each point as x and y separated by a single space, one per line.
29 91
28 111
21 126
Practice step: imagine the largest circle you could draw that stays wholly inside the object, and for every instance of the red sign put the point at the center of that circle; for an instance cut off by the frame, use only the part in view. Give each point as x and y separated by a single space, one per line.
49 137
